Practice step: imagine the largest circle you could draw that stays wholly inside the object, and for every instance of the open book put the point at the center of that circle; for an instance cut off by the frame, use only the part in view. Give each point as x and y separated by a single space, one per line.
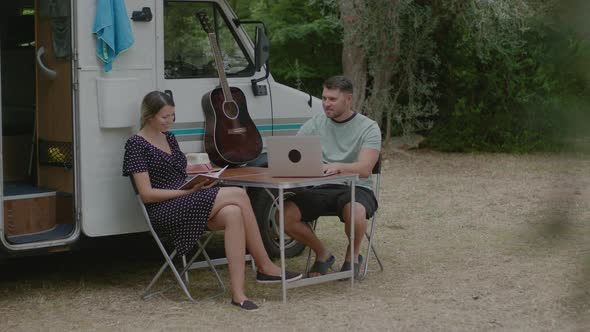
192 180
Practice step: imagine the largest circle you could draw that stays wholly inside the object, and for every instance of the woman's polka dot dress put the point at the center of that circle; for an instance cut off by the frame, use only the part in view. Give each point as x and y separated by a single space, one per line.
184 218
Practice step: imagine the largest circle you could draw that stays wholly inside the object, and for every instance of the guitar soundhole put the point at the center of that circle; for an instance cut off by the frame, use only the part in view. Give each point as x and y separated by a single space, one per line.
230 109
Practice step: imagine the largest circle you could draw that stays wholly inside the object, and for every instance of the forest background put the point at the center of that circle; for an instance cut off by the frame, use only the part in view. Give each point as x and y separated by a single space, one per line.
469 75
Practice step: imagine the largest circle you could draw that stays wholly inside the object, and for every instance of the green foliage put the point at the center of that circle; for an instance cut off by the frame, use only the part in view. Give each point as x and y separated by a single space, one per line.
305 41
188 34
414 91
501 87
472 75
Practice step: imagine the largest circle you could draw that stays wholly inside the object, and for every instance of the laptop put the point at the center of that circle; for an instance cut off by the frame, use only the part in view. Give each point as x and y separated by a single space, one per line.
295 156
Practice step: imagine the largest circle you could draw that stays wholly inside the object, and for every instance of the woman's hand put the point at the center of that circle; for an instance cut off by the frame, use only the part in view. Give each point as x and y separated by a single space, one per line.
153 195
206 184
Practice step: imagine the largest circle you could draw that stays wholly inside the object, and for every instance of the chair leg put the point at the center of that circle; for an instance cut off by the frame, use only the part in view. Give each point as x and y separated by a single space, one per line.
370 248
146 293
211 266
201 250
169 259
214 270
169 262
184 265
253 263
377 257
177 275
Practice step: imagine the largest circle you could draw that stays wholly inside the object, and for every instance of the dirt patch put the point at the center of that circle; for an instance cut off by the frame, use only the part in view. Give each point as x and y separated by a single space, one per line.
469 242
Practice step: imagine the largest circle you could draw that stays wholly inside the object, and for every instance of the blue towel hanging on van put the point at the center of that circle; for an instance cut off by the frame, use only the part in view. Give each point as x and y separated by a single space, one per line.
112 29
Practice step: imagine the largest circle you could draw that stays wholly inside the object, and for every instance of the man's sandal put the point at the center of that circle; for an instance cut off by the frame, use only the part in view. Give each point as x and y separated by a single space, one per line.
322 267
346 266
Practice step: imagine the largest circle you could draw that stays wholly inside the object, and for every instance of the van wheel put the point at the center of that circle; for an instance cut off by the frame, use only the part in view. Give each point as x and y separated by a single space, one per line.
264 208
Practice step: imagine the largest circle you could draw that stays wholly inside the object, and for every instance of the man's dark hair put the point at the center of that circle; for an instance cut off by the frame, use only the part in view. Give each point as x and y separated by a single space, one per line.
339 82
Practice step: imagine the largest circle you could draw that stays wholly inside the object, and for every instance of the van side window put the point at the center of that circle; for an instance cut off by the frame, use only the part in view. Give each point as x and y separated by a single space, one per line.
187 52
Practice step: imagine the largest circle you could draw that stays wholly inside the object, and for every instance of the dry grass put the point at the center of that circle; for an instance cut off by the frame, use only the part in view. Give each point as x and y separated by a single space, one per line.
470 242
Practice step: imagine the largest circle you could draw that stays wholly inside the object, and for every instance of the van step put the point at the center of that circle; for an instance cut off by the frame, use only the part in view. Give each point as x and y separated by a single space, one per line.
22 189
60 231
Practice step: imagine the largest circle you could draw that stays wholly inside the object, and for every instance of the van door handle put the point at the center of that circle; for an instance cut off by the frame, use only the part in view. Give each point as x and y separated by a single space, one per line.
143 15
51 74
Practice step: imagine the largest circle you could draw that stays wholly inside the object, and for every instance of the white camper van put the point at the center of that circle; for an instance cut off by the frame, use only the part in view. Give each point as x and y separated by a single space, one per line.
65 120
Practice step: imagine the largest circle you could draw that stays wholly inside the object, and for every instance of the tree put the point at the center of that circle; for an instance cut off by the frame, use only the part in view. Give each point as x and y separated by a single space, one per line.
473 74
354 61
386 46
496 89
304 37
497 75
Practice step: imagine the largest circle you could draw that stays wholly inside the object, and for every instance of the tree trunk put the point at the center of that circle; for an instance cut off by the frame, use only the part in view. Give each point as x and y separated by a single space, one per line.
379 101
354 61
386 46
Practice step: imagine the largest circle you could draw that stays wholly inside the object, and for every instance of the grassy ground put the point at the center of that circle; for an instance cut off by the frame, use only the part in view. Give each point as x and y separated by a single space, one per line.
469 242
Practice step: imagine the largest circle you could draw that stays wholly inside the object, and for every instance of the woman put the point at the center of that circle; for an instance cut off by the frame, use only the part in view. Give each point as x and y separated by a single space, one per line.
158 167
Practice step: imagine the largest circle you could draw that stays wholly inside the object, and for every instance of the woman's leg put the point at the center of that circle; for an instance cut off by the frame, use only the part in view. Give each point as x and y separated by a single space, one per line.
227 218
238 197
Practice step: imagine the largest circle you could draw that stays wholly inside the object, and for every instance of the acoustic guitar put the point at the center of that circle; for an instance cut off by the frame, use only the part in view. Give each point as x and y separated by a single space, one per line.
231 137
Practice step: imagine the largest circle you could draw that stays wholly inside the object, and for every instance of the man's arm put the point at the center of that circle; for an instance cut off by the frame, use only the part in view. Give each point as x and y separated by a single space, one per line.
308 128
363 166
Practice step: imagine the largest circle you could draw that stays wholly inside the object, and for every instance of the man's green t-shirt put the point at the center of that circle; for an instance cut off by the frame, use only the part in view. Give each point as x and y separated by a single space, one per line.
343 141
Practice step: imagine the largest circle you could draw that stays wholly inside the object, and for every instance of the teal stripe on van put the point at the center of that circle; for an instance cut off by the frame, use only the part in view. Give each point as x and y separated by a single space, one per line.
279 127
262 128
188 131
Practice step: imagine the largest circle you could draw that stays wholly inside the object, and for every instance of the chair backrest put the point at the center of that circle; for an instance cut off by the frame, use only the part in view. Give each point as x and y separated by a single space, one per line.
377 179
142 206
377 167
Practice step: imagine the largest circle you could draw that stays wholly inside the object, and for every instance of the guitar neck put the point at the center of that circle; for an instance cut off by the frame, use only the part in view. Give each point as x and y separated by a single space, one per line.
220 69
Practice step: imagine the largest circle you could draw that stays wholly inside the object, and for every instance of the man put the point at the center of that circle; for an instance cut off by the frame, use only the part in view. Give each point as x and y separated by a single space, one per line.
351 142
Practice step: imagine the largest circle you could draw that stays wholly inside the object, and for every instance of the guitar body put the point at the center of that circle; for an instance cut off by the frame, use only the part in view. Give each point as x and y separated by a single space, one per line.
231 137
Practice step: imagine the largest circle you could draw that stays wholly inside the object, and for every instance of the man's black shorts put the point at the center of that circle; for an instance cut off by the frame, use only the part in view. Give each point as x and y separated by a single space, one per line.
330 199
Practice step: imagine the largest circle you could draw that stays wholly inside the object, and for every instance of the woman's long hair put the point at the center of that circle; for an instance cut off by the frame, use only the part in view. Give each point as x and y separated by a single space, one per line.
152 103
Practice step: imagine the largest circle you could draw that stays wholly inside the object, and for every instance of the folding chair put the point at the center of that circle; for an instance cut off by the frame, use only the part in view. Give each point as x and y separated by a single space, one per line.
370 232
200 246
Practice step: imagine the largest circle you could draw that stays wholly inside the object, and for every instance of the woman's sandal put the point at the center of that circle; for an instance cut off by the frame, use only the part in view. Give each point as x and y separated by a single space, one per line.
322 267
246 305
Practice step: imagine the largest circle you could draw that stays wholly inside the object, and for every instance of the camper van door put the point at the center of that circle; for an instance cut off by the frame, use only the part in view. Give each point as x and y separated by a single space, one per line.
108 114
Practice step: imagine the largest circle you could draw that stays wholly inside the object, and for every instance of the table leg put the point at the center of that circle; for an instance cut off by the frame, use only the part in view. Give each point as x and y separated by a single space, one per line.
282 242
352 224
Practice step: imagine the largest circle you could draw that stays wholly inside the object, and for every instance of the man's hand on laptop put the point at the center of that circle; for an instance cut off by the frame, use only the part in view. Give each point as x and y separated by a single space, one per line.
331 169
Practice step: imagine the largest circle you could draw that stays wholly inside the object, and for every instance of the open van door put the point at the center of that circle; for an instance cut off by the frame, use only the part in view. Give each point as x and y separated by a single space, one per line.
109 113
186 66
37 131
